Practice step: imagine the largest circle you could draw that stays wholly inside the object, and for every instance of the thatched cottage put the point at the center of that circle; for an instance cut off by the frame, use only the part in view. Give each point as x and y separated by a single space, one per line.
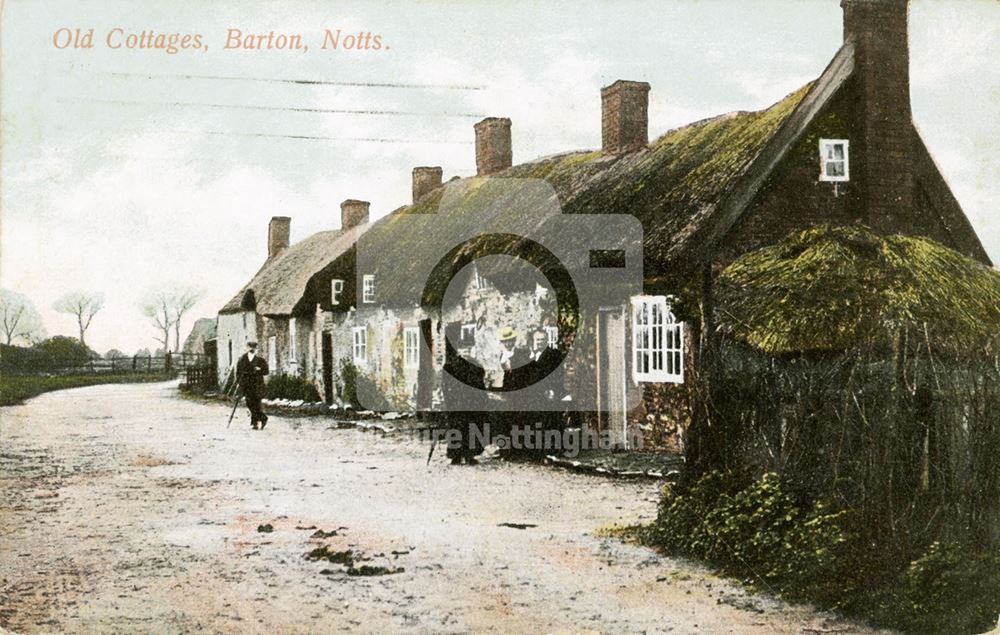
277 308
841 150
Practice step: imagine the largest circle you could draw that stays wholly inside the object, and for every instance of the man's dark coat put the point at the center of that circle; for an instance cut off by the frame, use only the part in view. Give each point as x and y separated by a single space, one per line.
250 374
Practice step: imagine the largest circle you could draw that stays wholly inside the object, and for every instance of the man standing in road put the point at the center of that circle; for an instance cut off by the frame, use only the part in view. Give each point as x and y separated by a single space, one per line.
250 371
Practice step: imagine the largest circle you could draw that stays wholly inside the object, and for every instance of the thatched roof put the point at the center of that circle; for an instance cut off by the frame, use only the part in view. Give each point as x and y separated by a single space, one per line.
830 288
202 331
677 178
281 282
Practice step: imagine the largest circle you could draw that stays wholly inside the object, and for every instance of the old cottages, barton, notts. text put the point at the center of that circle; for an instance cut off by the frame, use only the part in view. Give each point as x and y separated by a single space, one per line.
235 39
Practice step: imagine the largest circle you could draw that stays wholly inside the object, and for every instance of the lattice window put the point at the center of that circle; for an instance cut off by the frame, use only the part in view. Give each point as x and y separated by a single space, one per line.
368 288
552 336
411 347
360 345
657 341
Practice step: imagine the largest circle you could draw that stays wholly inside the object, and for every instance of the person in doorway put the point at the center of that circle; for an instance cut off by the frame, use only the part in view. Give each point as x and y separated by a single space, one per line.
546 366
250 372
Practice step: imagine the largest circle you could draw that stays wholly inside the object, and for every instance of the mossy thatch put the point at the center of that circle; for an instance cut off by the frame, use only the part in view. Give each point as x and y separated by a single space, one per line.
280 284
833 288
667 186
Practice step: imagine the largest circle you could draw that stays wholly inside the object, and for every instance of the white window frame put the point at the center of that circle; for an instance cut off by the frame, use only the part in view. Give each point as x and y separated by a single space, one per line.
359 345
481 282
657 341
411 347
336 288
825 145
293 343
552 333
368 288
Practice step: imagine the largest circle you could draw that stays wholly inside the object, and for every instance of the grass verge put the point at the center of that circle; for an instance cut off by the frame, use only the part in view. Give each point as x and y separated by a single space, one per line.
15 389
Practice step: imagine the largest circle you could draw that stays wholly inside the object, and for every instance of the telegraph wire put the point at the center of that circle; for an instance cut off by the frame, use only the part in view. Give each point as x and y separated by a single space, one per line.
302 82
341 111
271 135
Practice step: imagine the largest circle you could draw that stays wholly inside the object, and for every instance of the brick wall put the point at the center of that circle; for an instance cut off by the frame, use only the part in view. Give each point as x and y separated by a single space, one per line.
493 145
624 117
794 198
881 85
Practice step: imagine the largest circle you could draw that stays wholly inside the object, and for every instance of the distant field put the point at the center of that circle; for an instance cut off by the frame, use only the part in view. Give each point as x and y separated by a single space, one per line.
15 389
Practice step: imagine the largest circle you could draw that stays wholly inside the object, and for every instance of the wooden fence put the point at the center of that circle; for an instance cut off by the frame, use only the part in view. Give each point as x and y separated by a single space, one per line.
201 377
168 363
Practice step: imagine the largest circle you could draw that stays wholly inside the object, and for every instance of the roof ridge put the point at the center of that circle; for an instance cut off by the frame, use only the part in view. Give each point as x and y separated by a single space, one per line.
751 178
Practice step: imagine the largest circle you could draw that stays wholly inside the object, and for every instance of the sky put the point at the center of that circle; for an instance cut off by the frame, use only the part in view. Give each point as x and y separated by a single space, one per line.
128 170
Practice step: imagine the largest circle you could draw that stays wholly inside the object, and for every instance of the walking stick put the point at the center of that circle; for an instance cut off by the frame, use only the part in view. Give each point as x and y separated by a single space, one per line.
236 404
431 453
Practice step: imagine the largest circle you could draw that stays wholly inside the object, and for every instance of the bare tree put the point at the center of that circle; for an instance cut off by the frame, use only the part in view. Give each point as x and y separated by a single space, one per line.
183 299
18 318
158 307
84 305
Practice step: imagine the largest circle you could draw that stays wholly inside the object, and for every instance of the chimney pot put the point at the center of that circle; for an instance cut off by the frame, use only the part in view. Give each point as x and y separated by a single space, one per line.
493 148
353 213
624 117
425 179
278 232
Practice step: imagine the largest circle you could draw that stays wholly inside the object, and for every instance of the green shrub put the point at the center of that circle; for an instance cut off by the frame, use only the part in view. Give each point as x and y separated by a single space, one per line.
349 380
754 530
354 383
291 387
949 589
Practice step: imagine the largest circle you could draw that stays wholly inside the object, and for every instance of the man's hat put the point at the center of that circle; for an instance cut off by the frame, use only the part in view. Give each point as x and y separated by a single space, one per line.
507 333
251 344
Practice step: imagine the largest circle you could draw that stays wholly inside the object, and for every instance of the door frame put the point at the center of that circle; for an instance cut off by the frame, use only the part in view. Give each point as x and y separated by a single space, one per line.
606 419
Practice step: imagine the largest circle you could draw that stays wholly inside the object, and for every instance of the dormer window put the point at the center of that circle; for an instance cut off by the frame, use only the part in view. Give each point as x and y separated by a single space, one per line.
368 288
336 288
834 163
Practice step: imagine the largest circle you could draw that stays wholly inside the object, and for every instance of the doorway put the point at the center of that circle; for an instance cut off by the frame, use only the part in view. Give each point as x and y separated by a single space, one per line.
327 353
611 388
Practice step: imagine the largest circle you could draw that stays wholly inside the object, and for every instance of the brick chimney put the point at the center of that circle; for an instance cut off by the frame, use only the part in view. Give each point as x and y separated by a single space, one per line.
883 156
624 117
493 152
425 179
353 213
278 232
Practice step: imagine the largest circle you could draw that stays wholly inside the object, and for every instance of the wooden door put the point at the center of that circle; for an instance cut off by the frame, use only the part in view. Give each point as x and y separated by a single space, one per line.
328 367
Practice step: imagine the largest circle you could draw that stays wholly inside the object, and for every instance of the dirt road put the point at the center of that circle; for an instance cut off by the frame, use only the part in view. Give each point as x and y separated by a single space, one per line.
129 509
